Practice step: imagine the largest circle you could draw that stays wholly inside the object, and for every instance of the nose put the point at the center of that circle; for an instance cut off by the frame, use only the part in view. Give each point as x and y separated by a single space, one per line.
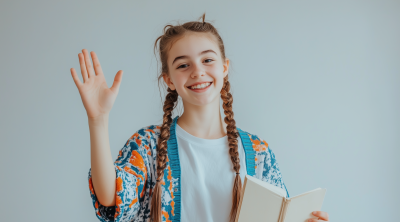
197 71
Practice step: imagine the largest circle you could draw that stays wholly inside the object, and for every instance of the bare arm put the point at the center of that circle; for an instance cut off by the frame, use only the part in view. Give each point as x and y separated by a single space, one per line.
102 165
98 100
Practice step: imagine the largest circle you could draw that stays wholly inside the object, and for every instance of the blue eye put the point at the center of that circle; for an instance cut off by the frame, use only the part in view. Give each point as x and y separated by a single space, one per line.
209 59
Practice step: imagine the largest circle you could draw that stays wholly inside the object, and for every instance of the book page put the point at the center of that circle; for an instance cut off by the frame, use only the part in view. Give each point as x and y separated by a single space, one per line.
305 193
259 203
300 207
281 192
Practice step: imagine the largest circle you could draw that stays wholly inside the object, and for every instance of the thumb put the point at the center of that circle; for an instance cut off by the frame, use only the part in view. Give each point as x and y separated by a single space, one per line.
117 81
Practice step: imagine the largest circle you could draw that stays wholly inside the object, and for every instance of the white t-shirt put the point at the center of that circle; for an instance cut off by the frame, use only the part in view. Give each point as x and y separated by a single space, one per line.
207 177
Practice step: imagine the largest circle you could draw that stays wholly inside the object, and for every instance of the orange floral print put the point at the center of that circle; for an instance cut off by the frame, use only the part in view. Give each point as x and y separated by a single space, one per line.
119 183
257 146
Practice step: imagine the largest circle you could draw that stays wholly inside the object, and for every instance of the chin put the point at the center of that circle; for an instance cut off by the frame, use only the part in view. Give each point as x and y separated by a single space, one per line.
204 101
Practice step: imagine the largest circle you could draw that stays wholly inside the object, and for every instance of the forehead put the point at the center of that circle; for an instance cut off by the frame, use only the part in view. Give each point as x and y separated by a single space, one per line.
191 44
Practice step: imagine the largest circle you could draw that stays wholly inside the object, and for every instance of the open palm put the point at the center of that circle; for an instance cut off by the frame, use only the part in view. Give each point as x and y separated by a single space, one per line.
97 98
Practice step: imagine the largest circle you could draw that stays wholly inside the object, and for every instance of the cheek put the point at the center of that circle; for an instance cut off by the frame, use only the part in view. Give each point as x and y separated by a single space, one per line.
218 75
179 81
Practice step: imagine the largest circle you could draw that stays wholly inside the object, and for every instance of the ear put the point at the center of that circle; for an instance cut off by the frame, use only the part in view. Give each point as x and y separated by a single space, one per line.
226 67
168 81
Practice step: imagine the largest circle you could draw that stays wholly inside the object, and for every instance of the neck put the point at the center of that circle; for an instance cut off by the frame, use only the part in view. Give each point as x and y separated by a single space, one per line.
203 121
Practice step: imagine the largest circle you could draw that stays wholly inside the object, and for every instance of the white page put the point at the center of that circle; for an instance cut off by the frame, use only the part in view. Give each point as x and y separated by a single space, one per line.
281 192
301 206
305 193
259 203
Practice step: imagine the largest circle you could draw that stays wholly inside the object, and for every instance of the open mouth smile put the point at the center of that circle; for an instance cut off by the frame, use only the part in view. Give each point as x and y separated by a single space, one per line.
200 87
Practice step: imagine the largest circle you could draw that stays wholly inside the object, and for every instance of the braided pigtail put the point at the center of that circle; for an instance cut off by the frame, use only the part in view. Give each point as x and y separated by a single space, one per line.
169 105
233 134
171 34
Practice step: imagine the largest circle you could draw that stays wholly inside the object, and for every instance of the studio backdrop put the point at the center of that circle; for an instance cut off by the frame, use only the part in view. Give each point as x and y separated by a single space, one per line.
318 80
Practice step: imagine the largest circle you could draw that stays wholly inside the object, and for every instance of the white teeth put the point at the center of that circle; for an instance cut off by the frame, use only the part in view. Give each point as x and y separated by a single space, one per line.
200 86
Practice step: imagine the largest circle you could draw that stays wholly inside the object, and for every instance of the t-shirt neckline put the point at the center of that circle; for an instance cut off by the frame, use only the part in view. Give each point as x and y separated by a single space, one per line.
189 137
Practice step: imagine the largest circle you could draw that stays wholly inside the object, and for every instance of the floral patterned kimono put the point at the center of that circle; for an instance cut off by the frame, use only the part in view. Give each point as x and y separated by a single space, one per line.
136 175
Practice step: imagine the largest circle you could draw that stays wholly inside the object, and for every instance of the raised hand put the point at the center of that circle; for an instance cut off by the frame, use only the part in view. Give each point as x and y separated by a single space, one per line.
97 98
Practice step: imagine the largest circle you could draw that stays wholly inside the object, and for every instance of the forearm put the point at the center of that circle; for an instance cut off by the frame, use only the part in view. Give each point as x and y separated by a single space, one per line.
102 165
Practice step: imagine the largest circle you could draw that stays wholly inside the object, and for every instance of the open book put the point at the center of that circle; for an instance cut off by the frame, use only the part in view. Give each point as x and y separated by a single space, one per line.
265 202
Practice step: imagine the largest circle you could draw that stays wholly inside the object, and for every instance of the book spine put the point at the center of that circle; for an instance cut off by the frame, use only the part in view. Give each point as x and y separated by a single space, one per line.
284 207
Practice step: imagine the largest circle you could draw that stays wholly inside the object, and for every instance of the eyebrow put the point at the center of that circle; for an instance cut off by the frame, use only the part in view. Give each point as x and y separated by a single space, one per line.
201 53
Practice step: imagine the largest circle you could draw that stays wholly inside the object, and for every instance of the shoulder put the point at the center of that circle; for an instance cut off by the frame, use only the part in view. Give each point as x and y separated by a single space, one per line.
264 156
147 133
142 142
258 144
266 166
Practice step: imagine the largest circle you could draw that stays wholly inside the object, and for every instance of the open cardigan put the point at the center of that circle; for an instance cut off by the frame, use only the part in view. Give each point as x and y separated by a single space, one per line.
136 175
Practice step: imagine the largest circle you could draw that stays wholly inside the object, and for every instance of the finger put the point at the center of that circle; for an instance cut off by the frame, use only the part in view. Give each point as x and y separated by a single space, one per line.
315 220
321 214
75 77
96 64
89 67
117 81
85 75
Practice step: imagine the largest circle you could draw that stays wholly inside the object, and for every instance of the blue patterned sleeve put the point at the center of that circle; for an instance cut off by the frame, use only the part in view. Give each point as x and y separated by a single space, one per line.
271 172
131 177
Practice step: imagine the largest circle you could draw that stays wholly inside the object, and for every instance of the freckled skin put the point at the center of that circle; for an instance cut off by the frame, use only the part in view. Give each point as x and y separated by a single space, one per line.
201 116
195 68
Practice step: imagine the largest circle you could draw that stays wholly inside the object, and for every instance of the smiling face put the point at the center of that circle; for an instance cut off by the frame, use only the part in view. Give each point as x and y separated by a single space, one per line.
196 68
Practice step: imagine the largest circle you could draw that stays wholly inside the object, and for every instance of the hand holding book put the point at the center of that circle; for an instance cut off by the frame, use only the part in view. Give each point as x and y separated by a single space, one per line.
265 202
322 216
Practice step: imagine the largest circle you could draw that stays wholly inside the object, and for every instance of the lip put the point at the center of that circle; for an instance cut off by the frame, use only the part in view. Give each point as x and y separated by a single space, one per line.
200 90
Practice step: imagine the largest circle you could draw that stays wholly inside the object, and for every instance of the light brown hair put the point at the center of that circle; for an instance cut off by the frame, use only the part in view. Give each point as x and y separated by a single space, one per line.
172 34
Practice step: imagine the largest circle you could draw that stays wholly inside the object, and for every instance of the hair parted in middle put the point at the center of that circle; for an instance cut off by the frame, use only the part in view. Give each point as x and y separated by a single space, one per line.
170 35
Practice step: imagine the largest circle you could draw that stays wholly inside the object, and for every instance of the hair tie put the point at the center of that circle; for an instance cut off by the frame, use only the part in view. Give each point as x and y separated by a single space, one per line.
237 173
158 180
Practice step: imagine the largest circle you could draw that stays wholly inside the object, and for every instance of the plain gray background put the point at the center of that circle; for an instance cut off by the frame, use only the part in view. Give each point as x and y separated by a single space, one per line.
317 79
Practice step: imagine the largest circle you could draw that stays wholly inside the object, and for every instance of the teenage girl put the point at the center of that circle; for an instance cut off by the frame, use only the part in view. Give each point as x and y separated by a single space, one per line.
189 168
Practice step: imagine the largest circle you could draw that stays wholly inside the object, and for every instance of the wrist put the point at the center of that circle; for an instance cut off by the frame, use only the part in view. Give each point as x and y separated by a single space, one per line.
99 120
